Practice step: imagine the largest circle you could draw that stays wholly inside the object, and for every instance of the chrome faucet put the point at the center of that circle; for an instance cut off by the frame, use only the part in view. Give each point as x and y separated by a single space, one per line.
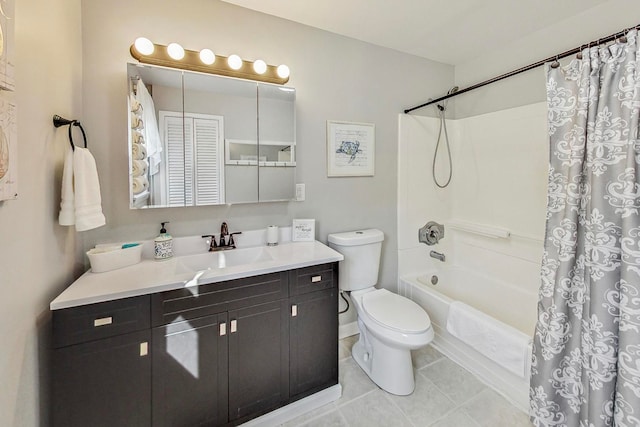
224 244
437 255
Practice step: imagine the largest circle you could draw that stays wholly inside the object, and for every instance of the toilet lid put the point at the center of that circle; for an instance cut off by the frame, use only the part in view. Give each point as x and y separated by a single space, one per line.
395 312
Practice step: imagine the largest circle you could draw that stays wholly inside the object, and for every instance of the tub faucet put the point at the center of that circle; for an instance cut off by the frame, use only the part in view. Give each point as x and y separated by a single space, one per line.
437 255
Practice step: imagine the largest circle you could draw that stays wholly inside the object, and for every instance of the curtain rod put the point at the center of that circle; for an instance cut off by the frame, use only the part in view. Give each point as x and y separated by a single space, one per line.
573 51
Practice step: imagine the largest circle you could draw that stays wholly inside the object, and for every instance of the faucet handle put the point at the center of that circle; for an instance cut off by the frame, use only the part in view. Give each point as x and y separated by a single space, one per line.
231 242
212 242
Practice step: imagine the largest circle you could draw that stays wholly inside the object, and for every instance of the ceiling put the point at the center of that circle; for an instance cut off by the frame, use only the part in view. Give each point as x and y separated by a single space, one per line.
452 32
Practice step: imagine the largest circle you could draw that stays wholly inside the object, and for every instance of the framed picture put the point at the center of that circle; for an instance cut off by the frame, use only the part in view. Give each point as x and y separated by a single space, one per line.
303 230
8 149
351 149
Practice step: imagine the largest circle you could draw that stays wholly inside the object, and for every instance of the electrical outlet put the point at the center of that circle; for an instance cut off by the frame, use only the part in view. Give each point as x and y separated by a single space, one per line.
300 192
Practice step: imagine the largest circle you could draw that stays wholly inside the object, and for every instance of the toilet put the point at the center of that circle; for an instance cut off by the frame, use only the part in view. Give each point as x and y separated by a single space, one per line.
390 325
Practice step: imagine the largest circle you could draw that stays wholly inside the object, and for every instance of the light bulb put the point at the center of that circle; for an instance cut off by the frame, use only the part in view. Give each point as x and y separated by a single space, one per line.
175 51
260 66
143 45
207 56
235 62
283 71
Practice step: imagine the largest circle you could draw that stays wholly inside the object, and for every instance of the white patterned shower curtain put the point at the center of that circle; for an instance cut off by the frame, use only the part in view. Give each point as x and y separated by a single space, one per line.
586 359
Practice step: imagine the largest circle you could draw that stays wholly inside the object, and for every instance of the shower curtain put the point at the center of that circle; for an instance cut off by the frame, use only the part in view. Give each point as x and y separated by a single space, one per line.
586 361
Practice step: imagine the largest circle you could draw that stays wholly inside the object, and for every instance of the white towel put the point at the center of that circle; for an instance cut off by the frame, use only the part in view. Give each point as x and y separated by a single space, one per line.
140 200
137 137
88 202
135 152
139 167
150 132
67 214
139 184
135 105
138 151
136 122
501 343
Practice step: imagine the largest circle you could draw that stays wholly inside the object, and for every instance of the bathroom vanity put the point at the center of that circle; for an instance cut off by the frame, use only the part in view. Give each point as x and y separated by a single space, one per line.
165 343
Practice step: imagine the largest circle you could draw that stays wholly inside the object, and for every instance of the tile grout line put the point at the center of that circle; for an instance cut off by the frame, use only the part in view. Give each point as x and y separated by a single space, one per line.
399 409
484 387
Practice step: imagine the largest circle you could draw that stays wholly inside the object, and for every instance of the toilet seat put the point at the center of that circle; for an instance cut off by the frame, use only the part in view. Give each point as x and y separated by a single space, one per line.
395 312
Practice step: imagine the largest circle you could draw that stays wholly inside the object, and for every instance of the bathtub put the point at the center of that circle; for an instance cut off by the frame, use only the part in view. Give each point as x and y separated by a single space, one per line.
504 302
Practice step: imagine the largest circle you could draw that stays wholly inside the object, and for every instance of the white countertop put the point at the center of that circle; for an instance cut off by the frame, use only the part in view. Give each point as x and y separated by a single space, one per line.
150 276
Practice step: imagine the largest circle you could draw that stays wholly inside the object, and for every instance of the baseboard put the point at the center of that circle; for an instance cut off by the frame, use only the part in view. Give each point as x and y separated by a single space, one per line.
348 329
297 408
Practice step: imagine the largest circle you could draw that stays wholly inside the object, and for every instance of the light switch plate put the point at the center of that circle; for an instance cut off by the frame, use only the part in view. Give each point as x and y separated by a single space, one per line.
300 196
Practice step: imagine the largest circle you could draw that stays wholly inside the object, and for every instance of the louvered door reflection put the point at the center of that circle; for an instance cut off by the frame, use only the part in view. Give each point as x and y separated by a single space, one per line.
194 172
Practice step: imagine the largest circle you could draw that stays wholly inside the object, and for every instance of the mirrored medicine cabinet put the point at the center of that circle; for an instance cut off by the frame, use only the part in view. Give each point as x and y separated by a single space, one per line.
199 139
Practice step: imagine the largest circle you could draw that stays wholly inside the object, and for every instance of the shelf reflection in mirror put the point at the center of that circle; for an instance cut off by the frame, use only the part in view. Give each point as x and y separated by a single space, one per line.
194 139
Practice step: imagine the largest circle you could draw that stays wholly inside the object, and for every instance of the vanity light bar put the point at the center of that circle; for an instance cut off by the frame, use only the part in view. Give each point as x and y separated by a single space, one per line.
157 54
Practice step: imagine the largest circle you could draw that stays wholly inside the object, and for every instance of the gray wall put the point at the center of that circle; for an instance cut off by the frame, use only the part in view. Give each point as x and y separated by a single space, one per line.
529 87
37 256
336 78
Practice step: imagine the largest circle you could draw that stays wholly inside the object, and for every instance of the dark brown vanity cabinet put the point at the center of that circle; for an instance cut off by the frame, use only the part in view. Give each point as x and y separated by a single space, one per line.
216 354
189 366
313 327
258 359
231 351
102 365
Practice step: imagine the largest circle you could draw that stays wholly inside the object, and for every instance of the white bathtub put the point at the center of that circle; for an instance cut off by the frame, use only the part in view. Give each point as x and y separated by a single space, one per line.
505 302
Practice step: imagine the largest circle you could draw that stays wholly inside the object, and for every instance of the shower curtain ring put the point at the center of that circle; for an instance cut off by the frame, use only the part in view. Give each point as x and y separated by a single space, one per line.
555 63
623 37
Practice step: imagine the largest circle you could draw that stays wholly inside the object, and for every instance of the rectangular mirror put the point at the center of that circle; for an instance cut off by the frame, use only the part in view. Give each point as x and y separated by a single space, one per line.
194 139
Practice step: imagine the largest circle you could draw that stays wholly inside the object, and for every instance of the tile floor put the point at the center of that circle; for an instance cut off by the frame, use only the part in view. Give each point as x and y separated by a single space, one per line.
446 395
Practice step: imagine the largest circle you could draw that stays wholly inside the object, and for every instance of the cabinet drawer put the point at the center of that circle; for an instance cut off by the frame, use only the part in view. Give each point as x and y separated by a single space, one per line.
204 300
314 278
95 321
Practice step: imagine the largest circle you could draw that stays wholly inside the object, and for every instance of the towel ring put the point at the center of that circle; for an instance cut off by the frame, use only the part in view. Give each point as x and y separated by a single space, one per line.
59 121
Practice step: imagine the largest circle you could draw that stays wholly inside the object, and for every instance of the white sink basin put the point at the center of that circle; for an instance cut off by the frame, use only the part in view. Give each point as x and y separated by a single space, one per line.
224 259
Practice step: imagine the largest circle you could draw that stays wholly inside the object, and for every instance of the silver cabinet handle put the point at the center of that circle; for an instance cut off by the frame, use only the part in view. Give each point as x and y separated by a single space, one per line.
144 348
223 329
316 279
234 326
103 321
294 310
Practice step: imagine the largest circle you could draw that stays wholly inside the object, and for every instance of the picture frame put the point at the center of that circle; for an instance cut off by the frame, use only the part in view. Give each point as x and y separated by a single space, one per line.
303 230
8 149
350 149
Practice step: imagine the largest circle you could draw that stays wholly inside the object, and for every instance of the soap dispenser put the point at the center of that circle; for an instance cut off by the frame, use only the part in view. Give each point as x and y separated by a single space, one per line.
163 248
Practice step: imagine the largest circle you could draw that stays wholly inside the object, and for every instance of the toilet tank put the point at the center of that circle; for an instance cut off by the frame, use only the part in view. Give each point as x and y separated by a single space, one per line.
361 251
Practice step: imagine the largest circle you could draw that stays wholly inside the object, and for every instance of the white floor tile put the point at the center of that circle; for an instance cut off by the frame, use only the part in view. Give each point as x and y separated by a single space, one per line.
374 409
454 381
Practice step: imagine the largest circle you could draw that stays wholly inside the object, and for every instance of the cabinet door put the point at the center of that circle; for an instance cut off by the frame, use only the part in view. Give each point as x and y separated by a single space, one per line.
190 372
103 383
313 342
258 359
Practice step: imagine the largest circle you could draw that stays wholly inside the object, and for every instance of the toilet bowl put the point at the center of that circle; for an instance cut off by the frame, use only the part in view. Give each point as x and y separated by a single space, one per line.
390 325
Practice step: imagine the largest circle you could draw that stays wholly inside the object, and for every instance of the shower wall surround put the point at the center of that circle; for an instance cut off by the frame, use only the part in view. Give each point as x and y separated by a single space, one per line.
499 178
